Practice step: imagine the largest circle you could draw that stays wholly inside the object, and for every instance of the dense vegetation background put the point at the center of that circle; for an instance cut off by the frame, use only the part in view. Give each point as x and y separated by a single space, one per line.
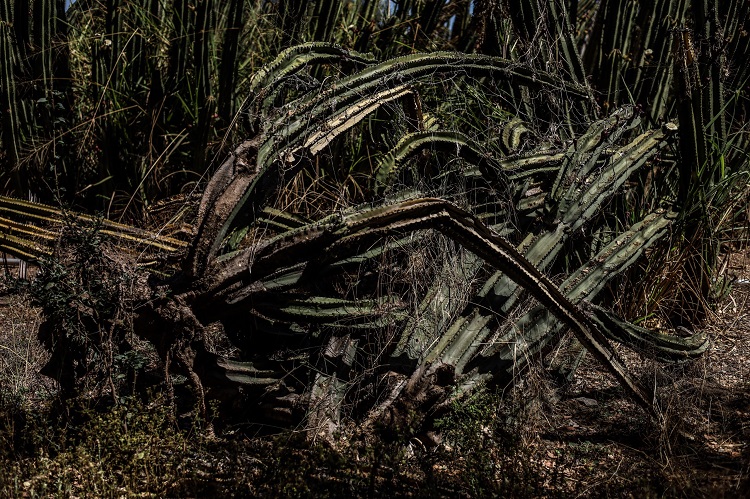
513 111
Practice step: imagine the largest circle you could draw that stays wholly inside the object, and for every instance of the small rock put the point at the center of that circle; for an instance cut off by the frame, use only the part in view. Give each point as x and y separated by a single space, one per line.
587 401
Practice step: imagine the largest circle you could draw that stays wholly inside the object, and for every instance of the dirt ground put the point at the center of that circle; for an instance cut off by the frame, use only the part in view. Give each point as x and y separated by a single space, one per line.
702 446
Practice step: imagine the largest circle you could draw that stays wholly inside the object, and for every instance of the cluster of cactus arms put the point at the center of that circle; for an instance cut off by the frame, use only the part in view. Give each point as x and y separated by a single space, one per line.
392 235
317 325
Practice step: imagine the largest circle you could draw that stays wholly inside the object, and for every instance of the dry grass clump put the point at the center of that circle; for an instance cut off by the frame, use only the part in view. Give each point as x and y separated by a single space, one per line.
21 354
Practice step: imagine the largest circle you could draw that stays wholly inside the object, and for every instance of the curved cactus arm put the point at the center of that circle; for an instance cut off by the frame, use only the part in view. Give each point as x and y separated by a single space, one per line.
220 370
438 140
257 337
513 135
284 219
291 277
295 58
350 116
665 347
290 61
287 278
238 162
407 70
370 254
227 185
284 279
410 69
520 167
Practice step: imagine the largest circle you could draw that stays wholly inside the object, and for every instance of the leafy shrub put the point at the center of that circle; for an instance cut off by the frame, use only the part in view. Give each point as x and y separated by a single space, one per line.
83 294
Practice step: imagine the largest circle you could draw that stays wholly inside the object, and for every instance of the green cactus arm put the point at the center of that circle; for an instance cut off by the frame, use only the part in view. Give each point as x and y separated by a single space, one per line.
326 310
219 369
294 58
348 117
619 167
438 140
264 84
586 149
665 347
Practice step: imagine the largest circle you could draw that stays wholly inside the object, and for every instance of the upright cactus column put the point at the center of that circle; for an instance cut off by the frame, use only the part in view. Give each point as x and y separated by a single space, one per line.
35 81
